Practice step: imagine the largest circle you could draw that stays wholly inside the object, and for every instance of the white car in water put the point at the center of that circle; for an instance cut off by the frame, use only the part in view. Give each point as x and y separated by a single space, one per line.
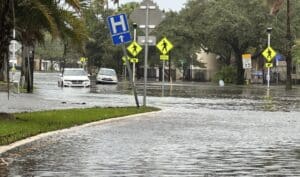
107 76
74 77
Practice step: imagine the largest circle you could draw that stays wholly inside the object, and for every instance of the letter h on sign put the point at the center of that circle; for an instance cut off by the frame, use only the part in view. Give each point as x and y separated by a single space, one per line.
119 29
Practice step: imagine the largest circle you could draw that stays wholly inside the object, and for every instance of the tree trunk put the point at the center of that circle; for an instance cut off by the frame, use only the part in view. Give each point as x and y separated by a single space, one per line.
64 57
27 68
5 30
239 65
23 67
288 49
31 71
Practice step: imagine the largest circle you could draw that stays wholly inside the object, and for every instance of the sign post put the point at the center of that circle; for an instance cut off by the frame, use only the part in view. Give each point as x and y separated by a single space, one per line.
147 16
134 39
120 34
134 49
269 54
164 46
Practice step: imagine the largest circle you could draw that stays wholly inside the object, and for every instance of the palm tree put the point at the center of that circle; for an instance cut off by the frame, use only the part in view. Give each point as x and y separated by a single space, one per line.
6 25
32 19
5 29
46 16
74 34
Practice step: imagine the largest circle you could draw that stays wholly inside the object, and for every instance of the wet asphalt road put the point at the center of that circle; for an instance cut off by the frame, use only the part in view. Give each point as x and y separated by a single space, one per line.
202 130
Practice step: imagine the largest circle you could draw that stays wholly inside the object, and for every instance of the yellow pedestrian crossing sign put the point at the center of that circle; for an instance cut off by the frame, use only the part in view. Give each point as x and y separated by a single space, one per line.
134 48
164 46
269 54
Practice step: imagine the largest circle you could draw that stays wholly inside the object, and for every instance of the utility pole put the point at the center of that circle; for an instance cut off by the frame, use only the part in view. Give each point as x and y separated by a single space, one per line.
288 48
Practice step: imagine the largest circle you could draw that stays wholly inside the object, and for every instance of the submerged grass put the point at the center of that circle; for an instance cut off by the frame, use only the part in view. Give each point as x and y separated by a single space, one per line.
24 125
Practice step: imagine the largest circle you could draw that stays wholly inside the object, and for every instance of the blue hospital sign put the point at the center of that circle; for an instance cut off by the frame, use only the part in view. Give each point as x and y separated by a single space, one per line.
119 29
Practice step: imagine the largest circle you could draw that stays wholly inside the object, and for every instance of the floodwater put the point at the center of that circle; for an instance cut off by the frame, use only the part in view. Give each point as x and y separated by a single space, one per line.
202 130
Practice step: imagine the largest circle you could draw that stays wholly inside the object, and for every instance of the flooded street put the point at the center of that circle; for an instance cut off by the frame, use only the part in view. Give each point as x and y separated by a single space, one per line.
202 130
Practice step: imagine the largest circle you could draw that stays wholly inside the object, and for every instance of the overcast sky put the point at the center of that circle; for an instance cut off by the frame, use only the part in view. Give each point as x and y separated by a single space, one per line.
174 5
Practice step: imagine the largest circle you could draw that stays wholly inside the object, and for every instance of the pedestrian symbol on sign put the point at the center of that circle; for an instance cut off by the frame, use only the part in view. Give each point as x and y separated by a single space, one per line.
269 54
134 48
164 46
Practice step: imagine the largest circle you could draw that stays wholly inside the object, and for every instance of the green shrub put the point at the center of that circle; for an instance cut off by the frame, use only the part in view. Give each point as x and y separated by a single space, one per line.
227 74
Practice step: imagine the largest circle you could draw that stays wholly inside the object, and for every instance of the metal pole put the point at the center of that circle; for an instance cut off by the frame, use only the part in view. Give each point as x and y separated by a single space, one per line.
146 54
169 66
269 45
133 64
125 73
14 45
130 77
163 78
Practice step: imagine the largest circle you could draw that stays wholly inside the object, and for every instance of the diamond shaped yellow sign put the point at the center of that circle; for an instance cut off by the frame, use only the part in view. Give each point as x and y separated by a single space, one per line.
164 46
83 59
269 54
134 48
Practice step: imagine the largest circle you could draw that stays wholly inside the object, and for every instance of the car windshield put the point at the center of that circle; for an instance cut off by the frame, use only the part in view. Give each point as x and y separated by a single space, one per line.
108 72
74 72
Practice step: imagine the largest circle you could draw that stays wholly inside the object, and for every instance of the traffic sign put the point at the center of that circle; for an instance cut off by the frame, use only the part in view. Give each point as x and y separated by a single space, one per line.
83 60
269 65
134 48
16 44
119 29
269 54
134 60
151 40
247 61
164 57
155 15
164 46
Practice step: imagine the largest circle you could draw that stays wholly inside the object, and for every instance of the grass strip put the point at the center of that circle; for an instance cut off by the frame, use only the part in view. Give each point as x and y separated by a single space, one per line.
23 125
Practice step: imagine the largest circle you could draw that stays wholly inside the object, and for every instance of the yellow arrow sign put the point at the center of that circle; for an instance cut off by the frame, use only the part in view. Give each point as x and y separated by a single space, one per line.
134 48
269 65
164 46
164 57
269 54
134 60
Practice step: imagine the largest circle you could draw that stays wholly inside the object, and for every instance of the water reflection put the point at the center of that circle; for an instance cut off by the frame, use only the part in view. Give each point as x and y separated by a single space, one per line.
269 103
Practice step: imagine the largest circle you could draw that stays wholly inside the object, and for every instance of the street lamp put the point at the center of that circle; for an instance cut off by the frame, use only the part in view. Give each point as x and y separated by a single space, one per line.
269 30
